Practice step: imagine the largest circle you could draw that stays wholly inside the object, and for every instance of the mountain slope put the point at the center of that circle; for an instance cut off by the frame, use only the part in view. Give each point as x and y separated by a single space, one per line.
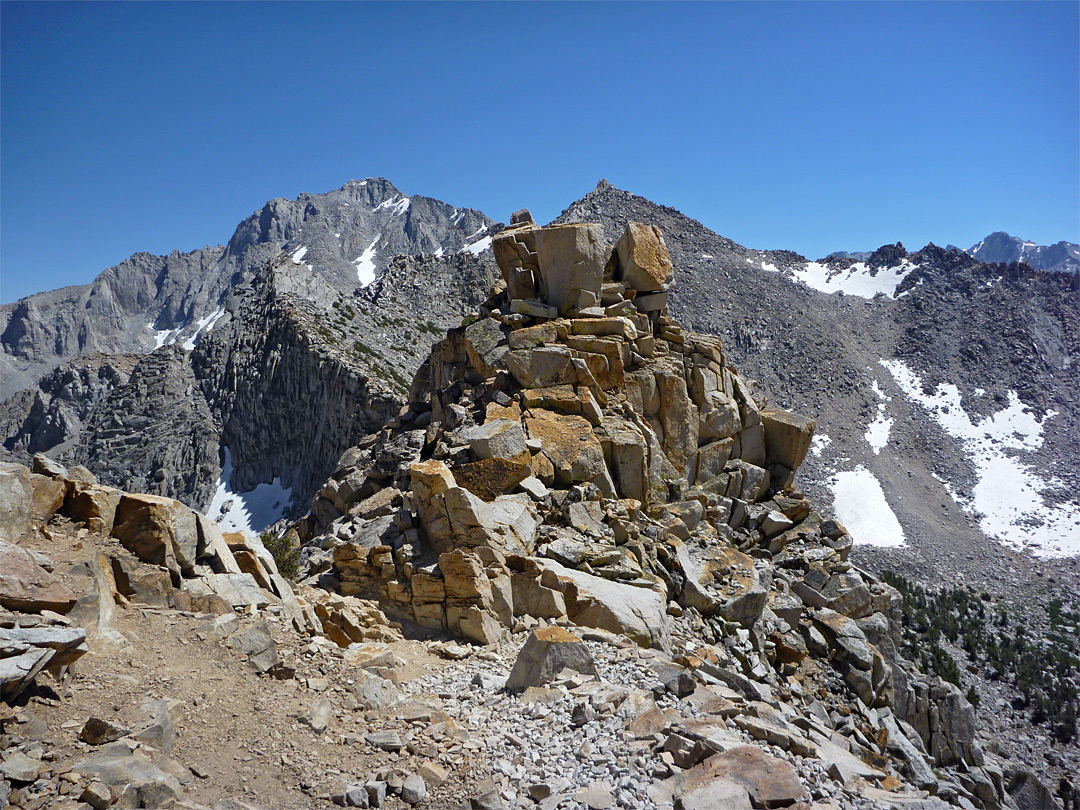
273 353
877 335
110 315
1001 248
350 234
995 332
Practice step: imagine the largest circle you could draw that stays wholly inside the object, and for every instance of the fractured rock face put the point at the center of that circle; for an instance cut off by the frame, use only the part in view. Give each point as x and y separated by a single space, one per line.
592 601
157 530
572 260
787 436
16 502
568 443
722 580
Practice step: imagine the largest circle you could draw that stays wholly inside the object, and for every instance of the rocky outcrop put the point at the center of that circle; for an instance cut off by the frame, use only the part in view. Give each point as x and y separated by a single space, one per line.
166 553
659 483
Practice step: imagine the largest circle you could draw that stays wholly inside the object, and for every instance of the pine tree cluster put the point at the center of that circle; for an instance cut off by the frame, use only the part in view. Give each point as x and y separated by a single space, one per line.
1042 665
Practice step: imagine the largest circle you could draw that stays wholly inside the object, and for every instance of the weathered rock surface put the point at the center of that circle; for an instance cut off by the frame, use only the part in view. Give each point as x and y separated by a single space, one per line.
16 502
26 586
546 653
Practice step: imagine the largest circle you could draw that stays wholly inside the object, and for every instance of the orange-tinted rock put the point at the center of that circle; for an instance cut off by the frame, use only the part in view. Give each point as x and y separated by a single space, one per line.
26 586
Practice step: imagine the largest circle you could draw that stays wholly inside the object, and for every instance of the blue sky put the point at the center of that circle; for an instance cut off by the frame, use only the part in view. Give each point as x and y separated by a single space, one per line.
807 126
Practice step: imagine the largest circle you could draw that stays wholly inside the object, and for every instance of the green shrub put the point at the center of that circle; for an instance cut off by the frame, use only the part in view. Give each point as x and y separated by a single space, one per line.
286 557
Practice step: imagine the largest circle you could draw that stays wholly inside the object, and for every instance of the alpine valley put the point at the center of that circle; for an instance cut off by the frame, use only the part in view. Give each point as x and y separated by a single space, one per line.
768 531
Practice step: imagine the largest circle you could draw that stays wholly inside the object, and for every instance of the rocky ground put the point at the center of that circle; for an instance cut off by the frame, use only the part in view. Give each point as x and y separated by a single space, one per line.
190 720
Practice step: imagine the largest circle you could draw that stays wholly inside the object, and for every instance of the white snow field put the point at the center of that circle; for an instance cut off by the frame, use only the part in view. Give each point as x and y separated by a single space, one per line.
248 512
1008 498
365 263
204 326
877 432
859 279
167 337
856 280
859 503
478 247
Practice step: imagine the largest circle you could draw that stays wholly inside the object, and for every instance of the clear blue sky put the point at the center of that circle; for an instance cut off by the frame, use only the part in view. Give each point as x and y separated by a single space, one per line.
807 126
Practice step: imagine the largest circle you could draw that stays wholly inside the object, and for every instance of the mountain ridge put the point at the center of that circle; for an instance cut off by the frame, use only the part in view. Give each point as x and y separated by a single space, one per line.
780 316
147 300
1000 247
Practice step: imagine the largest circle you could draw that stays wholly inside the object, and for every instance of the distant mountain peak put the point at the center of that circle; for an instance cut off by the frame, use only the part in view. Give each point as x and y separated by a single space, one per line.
1001 247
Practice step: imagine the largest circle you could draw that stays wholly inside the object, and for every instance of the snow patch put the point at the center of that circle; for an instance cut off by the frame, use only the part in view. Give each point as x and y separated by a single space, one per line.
860 505
855 280
169 337
165 337
477 247
248 512
438 253
365 263
398 206
706 255
819 443
877 432
299 254
203 326
1008 497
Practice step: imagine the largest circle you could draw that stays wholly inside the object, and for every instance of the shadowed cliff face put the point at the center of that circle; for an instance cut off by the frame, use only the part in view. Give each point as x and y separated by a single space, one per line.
286 404
155 433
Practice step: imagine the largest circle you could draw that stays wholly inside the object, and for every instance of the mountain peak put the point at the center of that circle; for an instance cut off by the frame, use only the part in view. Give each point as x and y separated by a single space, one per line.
1004 248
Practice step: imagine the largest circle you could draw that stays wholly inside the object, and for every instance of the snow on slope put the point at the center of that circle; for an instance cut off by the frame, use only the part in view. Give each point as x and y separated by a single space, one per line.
859 503
168 337
480 245
856 280
877 432
859 279
365 263
1009 497
204 325
397 206
248 512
